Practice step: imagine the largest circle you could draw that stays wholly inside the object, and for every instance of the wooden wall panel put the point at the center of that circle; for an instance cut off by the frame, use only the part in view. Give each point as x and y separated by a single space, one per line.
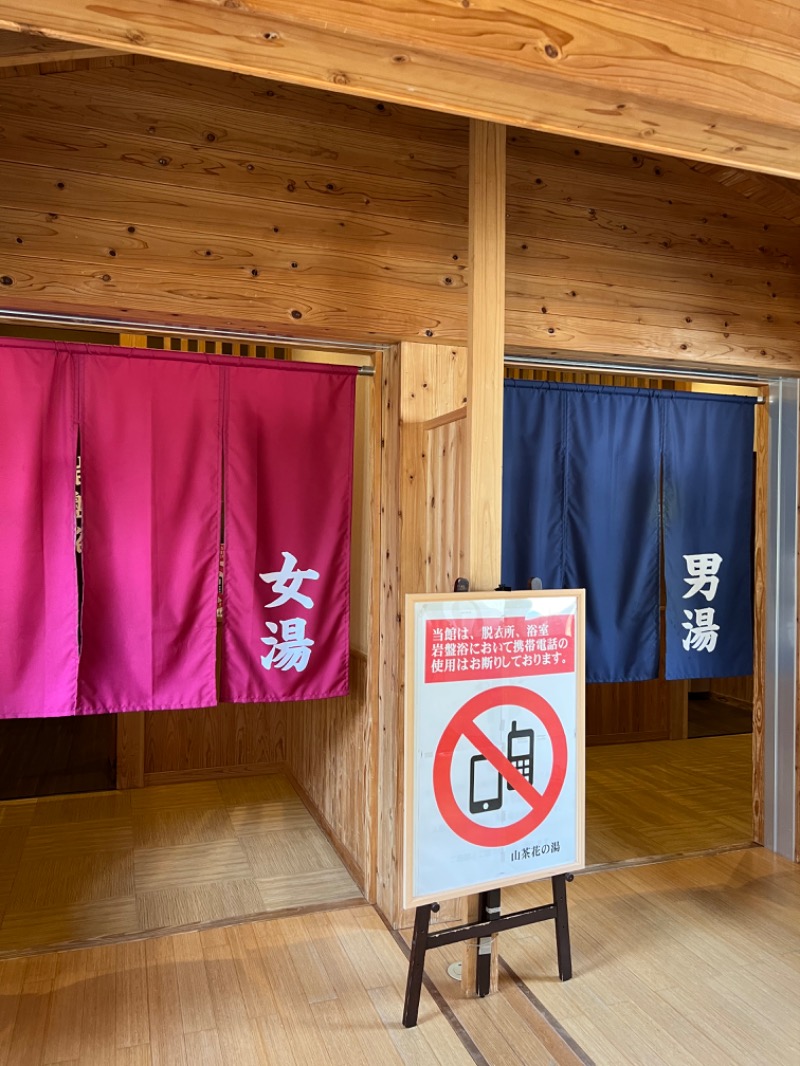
207 198
23 49
624 252
422 550
327 755
213 741
631 712
160 203
711 84
445 447
738 690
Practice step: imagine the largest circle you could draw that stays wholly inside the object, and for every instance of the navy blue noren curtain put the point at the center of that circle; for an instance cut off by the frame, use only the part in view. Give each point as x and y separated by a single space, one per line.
708 501
581 471
534 437
581 493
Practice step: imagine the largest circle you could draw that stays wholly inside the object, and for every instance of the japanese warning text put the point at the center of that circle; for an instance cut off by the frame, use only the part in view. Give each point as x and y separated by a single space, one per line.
483 648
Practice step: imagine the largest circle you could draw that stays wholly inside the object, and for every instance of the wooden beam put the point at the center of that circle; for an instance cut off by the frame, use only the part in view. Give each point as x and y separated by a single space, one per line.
776 196
714 86
484 436
25 49
486 335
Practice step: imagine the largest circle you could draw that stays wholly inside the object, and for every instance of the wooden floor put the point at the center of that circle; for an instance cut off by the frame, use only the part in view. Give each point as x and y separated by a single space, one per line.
321 990
694 962
667 797
73 868
681 963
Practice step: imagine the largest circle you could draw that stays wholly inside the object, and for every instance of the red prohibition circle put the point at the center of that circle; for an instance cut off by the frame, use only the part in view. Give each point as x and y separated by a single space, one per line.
463 826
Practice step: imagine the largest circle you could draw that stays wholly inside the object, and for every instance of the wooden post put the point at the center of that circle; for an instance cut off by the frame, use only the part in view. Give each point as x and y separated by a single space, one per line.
486 337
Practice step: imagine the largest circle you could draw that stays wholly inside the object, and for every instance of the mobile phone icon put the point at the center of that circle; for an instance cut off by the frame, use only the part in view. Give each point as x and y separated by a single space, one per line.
520 753
485 786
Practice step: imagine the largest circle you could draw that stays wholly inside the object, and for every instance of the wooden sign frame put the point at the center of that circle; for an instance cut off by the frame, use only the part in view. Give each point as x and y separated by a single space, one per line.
528 606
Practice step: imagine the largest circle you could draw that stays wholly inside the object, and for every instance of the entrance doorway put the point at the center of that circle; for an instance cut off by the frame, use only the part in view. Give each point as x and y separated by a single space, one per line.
674 767
211 814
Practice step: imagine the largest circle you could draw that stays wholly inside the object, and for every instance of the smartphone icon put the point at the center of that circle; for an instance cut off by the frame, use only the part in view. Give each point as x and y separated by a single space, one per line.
485 786
520 753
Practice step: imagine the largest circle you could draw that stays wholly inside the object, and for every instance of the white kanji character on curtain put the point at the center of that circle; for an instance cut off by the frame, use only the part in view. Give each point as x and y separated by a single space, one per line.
293 650
702 630
702 570
286 582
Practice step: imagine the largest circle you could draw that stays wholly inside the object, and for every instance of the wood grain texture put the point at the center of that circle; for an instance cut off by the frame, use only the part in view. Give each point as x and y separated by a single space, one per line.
680 962
602 72
486 339
205 197
712 980
130 750
328 744
628 712
668 798
736 690
24 49
423 516
391 672
119 865
483 436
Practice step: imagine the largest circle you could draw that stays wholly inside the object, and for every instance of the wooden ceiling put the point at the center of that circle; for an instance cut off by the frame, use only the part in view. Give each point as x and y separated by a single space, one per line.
20 50
717 82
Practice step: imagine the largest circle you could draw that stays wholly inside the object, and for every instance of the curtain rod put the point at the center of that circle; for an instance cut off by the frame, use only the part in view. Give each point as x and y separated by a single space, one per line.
586 365
50 320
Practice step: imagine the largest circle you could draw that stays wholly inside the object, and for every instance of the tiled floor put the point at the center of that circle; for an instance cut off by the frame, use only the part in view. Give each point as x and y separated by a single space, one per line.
73 868
668 797
77 867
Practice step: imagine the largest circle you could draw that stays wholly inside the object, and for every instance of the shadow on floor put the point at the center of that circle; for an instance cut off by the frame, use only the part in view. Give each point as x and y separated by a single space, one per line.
709 717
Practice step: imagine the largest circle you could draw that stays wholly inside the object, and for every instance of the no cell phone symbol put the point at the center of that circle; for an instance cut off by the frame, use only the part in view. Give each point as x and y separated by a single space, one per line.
494 771
486 783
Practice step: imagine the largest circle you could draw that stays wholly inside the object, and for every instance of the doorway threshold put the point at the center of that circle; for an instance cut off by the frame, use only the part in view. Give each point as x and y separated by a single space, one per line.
650 860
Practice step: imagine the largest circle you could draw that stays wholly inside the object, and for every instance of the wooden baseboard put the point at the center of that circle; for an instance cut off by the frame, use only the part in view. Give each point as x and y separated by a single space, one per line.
734 701
212 773
626 738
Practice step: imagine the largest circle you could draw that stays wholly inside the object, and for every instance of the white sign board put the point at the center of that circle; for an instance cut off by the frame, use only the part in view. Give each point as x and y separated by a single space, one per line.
494 741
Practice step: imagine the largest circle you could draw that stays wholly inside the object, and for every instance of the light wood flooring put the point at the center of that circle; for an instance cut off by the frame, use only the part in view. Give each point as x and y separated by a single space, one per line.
73 868
694 962
317 990
667 797
681 963
112 864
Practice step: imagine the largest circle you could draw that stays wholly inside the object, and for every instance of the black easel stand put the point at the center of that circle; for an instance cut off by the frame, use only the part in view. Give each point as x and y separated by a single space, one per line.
491 921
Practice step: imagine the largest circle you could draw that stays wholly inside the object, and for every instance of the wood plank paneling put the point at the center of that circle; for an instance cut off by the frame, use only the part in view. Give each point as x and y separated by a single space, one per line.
327 753
630 712
423 518
214 739
601 72
610 251
24 49
738 690
211 198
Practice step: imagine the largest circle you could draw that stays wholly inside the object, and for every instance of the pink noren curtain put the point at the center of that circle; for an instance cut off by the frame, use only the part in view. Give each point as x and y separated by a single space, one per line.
288 489
150 445
38 577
